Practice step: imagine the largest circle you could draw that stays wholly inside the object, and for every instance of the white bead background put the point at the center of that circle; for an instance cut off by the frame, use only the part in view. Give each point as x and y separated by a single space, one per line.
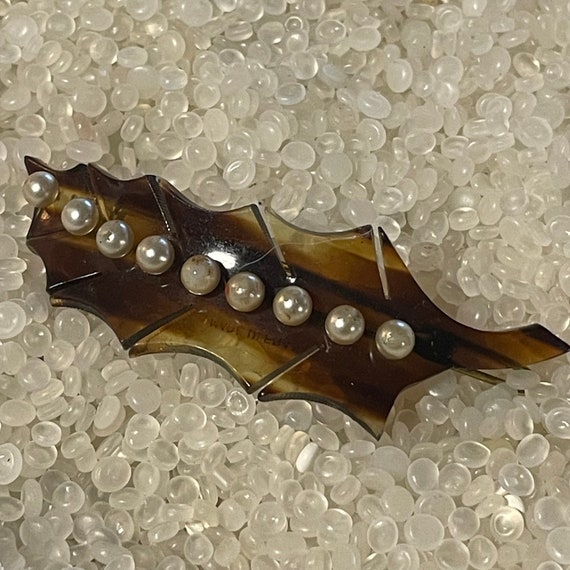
445 123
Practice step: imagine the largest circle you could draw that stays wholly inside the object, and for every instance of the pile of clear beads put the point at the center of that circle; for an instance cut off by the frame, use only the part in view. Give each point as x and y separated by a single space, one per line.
443 122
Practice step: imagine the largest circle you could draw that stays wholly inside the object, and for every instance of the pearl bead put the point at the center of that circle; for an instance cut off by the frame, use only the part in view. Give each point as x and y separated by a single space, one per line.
40 189
395 339
292 306
114 239
155 255
344 325
245 292
80 216
200 274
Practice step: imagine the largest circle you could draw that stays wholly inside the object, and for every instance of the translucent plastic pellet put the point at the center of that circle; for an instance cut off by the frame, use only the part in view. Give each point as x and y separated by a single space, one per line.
11 509
331 467
232 515
46 434
532 450
309 505
34 375
398 503
324 437
198 549
146 478
393 460
306 456
75 444
17 413
382 535
298 155
558 546
472 454
68 496
142 395
548 513
334 527
479 489
109 411
336 168
12 319
141 431
111 474
263 428
211 392
463 523
516 479
38 457
286 545
433 410
345 491
557 422
304 65
10 463
373 104
60 355
289 94
522 379
267 519
71 325
422 475
452 554
424 532
534 132
507 524
201 438
462 219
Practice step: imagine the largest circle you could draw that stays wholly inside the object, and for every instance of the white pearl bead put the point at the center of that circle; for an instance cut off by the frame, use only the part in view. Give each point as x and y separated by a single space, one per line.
245 292
292 305
344 325
80 216
114 239
395 339
200 274
40 189
155 255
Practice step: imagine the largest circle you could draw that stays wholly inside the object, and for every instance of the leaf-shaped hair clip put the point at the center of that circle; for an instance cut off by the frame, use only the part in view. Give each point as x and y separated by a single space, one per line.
290 313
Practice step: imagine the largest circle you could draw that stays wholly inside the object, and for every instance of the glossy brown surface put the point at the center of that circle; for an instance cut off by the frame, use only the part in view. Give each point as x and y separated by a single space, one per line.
153 314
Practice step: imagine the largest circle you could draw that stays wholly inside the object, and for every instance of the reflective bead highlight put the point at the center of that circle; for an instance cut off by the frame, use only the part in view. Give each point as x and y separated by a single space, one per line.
40 189
155 255
200 274
395 339
80 216
292 305
245 292
344 325
114 239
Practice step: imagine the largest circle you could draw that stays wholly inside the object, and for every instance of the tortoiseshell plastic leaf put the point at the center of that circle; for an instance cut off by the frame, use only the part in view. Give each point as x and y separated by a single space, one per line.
152 314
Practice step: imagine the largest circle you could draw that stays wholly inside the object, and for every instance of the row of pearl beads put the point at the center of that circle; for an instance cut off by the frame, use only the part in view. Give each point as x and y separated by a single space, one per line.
154 254
395 339
200 275
293 305
245 291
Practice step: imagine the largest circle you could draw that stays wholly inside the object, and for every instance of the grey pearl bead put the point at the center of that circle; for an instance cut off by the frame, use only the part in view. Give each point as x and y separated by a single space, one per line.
80 216
345 325
40 189
155 255
114 239
395 339
200 274
292 305
245 292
